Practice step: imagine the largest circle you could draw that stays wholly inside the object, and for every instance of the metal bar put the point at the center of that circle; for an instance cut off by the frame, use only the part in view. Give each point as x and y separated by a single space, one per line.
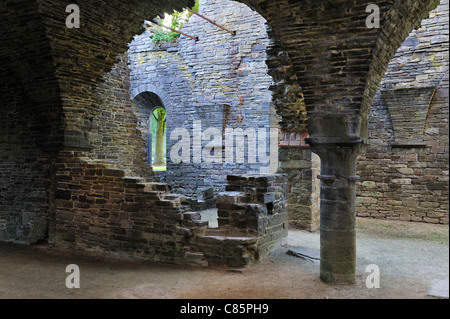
193 38
210 21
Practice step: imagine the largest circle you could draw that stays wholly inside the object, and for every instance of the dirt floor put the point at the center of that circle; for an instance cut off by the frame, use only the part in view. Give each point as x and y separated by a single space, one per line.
409 256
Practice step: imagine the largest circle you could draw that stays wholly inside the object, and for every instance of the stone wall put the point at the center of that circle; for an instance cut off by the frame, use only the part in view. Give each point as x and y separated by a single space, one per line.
98 208
55 96
302 168
105 196
405 170
113 136
220 82
252 219
24 189
24 170
30 123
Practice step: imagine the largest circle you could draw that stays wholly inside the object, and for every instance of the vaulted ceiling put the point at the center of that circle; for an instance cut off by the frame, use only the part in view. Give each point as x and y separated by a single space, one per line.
336 61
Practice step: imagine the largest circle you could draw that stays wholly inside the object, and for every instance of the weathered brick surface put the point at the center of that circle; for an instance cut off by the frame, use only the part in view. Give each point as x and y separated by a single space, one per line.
99 209
410 183
252 218
113 135
255 205
52 97
221 80
24 182
408 110
338 76
302 167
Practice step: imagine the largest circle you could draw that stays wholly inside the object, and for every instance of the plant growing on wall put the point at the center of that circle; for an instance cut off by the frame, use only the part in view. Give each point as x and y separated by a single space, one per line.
176 21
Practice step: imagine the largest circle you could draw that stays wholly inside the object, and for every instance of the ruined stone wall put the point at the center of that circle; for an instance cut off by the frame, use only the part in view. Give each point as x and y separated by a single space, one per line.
100 209
106 197
302 167
295 157
113 136
252 219
220 80
30 120
405 170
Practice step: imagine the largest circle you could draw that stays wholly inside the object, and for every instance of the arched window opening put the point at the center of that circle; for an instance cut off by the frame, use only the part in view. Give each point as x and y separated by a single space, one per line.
158 139
152 117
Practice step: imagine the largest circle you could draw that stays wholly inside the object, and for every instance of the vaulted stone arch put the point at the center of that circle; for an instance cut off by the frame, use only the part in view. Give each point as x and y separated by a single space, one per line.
150 88
337 60
339 63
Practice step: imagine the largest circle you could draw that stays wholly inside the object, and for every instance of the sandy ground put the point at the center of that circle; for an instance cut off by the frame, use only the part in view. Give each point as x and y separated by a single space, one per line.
409 256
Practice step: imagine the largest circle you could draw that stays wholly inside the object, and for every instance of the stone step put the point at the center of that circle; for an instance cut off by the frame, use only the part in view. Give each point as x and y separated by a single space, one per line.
172 196
157 187
192 216
227 240
231 197
178 200
196 259
134 180
196 223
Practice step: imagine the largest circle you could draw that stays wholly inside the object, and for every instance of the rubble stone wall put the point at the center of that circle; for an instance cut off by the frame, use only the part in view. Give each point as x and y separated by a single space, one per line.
405 170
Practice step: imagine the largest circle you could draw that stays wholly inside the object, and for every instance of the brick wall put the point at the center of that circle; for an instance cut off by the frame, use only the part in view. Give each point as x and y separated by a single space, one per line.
252 219
405 170
114 137
100 209
106 196
221 80
302 167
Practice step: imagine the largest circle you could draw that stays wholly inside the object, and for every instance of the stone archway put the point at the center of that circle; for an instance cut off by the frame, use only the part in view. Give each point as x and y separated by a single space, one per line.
146 103
337 60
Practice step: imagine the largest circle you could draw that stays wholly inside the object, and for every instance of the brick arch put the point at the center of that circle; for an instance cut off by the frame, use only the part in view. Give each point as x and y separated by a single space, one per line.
151 89
336 60
339 62
82 57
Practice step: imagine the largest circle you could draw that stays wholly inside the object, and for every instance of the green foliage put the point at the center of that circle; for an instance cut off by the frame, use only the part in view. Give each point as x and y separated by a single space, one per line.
162 35
196 8
159 127
160 116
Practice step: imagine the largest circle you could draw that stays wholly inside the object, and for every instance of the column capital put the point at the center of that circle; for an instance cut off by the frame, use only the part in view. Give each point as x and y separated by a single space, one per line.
316 142
327 146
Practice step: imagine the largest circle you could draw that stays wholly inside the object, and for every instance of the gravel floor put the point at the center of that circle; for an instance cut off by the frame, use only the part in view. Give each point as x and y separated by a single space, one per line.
410 256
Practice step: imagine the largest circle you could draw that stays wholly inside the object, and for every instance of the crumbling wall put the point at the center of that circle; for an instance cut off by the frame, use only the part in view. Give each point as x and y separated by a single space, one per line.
302 167
98 208
252 219
220 81
107 198
101 209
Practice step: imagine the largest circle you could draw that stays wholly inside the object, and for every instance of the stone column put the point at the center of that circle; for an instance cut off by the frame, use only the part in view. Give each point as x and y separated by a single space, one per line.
338 156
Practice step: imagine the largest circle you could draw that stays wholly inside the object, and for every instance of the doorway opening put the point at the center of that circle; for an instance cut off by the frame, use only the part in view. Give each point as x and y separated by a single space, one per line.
152 124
